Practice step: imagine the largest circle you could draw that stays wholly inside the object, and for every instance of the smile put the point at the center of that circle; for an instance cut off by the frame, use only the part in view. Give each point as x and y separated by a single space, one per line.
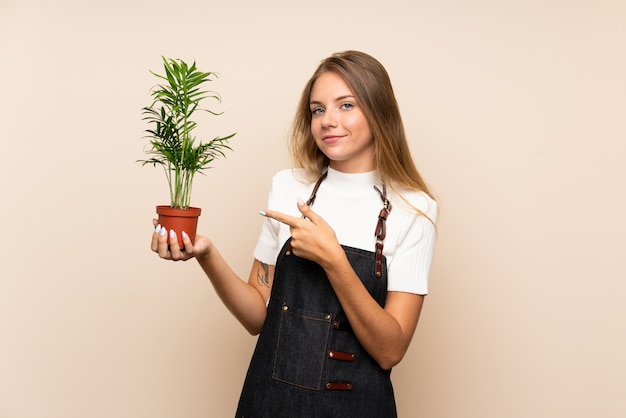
331 139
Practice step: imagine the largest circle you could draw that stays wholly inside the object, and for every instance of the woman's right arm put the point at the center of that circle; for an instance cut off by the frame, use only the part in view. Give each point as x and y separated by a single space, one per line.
245 300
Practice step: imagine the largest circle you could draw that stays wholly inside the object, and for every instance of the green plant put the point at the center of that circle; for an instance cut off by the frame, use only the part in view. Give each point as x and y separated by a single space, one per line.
172 144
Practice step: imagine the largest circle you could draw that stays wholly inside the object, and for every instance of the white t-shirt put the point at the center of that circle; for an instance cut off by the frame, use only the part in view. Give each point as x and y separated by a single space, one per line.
350 205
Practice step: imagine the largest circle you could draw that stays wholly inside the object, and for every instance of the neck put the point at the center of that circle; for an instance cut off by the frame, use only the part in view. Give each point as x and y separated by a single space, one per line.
351 168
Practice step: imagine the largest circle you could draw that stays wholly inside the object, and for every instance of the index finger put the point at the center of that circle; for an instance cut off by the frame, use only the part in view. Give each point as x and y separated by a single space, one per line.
281 217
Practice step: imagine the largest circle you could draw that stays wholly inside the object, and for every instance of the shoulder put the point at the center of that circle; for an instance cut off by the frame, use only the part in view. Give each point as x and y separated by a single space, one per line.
415 203
287 186
290 176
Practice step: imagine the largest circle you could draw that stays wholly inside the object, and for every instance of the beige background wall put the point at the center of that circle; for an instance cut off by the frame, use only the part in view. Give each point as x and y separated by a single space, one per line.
516 115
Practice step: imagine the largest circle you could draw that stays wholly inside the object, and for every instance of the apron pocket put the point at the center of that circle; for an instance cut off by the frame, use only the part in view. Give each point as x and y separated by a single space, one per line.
301 346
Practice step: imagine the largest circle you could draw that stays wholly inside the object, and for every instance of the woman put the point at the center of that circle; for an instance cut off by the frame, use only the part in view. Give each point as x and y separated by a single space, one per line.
337 282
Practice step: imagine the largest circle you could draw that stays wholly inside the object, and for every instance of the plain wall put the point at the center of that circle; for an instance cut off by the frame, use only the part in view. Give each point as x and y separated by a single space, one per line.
515 112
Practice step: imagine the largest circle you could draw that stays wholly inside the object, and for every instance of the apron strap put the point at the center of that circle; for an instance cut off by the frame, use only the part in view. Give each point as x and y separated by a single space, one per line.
317 186
310 201
381 228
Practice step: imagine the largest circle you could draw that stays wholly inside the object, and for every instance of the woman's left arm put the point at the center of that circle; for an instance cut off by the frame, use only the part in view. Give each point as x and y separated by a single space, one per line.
384 333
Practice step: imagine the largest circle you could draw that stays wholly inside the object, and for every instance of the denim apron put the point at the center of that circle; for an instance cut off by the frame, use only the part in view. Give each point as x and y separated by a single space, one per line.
307 361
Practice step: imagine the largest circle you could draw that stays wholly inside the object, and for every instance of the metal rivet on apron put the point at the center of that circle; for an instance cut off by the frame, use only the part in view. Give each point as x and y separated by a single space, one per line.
285 307
328 316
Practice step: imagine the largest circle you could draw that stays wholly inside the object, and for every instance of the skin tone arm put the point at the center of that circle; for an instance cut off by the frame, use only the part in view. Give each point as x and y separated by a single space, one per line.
384 333
245 300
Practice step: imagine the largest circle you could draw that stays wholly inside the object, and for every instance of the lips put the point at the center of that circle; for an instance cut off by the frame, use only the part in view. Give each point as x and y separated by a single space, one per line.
331 139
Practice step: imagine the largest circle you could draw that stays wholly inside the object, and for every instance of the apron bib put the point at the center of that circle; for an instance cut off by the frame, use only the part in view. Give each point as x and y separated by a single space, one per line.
307 361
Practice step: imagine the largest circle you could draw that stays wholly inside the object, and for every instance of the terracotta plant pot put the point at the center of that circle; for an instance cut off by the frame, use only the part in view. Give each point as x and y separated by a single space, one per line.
179 220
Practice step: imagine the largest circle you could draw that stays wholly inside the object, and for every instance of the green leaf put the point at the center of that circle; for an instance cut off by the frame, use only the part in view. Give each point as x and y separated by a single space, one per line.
170 126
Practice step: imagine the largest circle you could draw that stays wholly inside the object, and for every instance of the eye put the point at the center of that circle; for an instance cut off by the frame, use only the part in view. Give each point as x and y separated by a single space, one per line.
317 111
347 106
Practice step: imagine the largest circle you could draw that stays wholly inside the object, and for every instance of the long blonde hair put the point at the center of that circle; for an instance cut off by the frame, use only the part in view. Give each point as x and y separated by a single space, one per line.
369 82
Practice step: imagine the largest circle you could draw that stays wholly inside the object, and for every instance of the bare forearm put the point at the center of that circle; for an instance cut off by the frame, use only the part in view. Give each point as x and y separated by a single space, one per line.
241 299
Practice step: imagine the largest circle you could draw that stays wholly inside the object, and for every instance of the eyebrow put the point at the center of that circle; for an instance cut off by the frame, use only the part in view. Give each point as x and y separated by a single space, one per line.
338 99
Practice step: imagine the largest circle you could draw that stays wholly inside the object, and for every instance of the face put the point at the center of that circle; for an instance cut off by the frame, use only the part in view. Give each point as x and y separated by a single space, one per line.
339 126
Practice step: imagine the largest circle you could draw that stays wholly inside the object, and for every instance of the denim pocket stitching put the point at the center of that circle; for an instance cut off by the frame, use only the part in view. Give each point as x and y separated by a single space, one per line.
324 333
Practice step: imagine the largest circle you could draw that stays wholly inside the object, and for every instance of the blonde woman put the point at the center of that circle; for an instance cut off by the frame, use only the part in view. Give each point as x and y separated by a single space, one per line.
341 267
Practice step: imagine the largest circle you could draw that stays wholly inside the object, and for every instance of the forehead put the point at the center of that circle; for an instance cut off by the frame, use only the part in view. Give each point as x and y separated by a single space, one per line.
330 85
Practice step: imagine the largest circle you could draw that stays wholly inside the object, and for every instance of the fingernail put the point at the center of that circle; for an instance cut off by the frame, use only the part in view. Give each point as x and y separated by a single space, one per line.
163 231
172 234
158 228
262 213
301 202
184 234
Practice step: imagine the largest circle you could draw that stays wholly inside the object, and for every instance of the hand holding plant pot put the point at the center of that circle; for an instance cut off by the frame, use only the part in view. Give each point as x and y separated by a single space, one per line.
173 145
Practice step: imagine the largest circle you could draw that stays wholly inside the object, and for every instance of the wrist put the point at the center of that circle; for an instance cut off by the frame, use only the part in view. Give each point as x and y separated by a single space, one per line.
336 261
203 252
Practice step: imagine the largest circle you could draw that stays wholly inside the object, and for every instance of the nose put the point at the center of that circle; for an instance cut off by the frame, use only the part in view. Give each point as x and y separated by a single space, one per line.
329 119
